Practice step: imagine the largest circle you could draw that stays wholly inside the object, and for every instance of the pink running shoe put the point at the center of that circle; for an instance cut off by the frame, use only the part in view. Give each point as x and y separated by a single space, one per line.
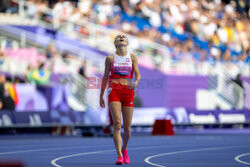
119 161
125 156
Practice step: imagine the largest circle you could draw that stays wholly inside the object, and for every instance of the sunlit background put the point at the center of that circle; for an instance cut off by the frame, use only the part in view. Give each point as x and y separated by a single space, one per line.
194 61
193 57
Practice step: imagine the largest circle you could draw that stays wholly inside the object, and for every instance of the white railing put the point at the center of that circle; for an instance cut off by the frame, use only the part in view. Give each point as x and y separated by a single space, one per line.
228 90
234 92
77 85
247 94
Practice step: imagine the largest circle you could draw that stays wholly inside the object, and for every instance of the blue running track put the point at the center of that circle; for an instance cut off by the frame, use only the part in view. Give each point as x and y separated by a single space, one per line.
207 150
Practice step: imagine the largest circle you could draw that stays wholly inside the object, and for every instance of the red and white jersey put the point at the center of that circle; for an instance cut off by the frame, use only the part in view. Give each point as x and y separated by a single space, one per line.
122 67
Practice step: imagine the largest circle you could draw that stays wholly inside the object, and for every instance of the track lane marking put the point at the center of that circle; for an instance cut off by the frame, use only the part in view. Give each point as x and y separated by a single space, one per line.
147 160
47 149
54 161
237 158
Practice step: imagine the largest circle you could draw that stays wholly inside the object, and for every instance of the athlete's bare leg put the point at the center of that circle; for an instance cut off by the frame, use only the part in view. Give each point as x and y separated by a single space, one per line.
116 116
127 114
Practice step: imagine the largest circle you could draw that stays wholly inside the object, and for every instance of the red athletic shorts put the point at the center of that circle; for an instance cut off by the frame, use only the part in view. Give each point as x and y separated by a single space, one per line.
121 93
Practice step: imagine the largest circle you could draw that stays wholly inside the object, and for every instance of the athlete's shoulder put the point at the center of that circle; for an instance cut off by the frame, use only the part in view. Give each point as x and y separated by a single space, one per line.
110 58
133 56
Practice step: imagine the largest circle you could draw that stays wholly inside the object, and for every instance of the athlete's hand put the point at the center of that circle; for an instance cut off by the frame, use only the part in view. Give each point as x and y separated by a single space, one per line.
135 85
102 102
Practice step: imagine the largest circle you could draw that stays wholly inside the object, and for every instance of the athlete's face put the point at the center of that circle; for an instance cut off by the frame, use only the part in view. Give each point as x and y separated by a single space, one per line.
121 40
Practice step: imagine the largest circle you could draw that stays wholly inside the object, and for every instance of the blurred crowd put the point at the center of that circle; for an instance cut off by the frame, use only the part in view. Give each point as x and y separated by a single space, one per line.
50 62
198 30
8 94
204 30
192 30
48 70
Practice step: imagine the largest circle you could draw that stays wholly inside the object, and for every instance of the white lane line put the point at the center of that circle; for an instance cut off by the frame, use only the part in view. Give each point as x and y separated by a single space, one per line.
240 161
17 146
147 160
34 145
54 161
48 149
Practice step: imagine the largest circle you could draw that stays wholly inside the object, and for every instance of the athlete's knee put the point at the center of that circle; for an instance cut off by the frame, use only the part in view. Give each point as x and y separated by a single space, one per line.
127 130
117 126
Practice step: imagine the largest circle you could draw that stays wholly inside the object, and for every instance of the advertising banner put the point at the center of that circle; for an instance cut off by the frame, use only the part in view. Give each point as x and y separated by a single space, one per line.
142 116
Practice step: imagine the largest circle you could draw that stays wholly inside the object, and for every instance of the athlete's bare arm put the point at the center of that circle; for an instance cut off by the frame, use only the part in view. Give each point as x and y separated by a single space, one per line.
136 70
105 77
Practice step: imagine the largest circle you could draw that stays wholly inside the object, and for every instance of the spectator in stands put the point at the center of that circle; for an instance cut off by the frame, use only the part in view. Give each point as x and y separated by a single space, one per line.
66 56
51 51
4 5
85 6
61 12
74 17
51 56
41 9
238 90
40 75
82 70
2 81
8 6
7 93
2 58
11 96
32 9
28 70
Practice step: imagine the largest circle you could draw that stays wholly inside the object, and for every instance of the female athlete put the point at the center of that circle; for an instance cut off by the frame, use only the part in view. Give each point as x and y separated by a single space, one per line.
121 65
